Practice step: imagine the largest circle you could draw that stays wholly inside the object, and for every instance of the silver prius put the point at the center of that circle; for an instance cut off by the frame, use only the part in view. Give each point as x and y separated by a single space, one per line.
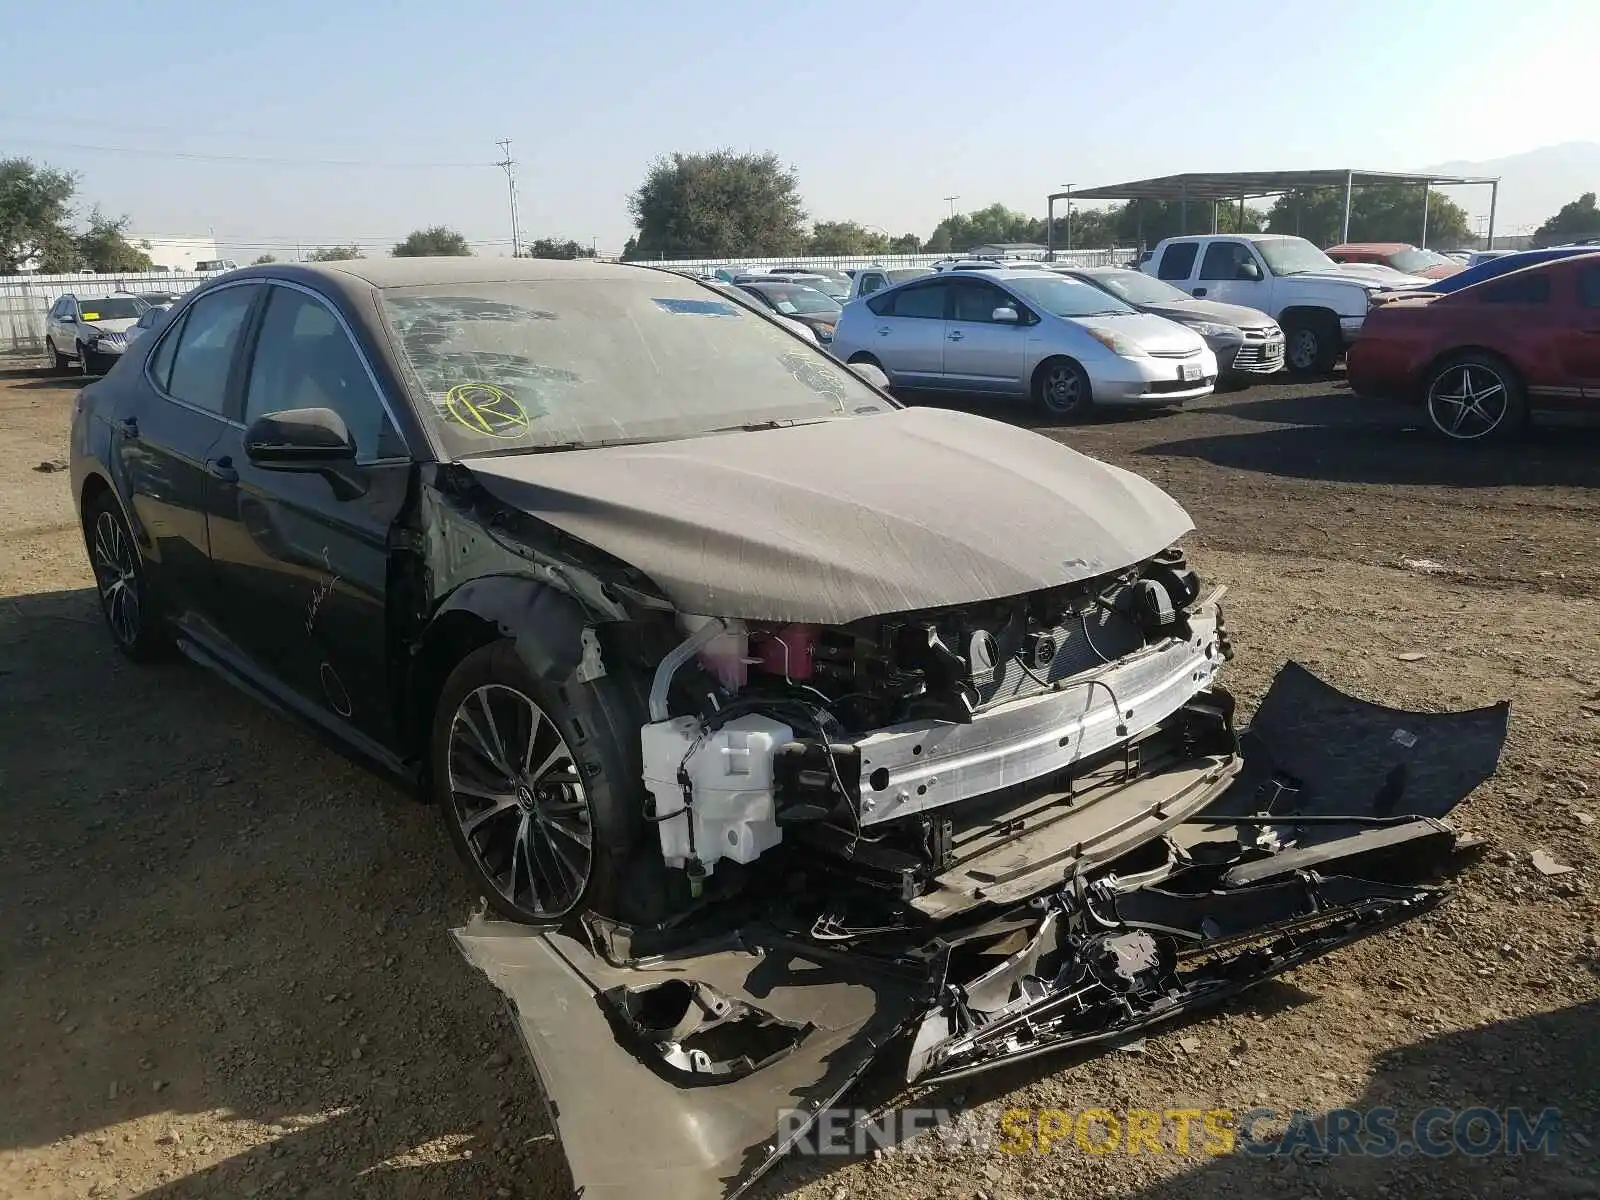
1070 346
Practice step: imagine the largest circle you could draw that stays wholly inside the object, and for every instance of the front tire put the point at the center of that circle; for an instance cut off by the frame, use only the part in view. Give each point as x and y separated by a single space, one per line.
126 601
1475 398
1312 343
59 361
538 784
1061 390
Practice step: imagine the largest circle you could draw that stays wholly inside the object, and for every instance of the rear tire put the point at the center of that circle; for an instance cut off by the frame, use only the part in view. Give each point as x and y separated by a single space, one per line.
1312 343
1061 390
130 608
538 783
1473 397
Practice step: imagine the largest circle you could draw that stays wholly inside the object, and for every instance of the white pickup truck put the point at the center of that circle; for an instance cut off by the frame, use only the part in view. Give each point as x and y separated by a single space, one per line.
1319 303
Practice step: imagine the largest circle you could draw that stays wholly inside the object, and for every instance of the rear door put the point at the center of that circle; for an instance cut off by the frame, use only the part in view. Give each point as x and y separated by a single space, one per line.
301 558
163 445
907 332
979 352
1177 261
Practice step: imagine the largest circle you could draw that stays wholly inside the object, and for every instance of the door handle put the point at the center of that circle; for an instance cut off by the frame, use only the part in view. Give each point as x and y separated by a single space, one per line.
956 336
222 468
128 427
883 331
1199 291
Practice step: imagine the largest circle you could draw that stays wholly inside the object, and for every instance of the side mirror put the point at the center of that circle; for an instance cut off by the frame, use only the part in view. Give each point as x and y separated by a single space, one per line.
307 439
1248 270
1005 315
872 373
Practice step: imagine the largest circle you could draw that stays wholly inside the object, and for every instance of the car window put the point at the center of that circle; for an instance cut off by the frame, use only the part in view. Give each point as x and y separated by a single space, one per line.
304 359
1518 289
1589 287
1223 259
926 301
161 360
871 282
975 301
205 347
1178 261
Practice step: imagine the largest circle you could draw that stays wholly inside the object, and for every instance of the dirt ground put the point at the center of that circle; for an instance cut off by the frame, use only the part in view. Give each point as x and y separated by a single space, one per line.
224 969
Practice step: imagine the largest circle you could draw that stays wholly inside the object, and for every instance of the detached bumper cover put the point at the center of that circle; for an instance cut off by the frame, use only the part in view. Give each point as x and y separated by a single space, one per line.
1329 830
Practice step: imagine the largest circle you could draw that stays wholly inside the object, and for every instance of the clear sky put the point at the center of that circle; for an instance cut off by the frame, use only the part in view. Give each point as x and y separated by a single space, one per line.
883 108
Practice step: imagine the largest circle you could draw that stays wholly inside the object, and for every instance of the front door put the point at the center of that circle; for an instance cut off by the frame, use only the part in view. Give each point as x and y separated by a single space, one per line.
979 352
164 441
908 333
1225 275
302 558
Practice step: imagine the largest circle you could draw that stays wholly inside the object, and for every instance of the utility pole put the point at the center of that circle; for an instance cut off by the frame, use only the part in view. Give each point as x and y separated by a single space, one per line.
951 201
509 166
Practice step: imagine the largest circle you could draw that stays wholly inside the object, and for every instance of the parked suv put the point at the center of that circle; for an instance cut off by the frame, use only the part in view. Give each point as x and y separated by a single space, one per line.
1319 304
92 333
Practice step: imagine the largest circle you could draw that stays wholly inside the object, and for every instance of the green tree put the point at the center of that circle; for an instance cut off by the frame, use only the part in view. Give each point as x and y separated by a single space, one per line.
35 208
556 248
1377 214
434 242
338 253
1576 219
1151 220
997 223
846 237
263 259
906 243
103 247
717 205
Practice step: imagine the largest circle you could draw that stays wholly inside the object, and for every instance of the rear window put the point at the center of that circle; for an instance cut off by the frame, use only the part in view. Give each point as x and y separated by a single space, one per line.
1178 261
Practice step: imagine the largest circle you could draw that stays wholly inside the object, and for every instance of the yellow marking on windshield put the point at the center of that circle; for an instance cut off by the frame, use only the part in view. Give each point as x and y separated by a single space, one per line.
91 316
484 408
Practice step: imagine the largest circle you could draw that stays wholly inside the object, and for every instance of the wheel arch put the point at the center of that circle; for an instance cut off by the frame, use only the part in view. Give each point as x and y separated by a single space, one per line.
1440 359
543 623
1307 313
1043 365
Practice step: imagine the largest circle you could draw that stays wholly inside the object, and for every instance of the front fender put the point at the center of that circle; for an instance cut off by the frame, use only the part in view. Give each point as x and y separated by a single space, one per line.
545 624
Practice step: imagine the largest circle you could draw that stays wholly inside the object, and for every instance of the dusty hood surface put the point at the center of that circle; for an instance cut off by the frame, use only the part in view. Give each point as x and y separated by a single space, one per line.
843 519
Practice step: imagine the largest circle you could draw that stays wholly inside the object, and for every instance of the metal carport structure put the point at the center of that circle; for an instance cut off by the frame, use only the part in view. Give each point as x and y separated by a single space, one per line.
1240 186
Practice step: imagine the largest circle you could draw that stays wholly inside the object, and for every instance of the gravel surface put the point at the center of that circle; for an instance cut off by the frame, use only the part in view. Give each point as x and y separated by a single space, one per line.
224 970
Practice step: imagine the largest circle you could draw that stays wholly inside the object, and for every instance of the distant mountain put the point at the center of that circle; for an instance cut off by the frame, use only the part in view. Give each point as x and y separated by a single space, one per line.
1533 185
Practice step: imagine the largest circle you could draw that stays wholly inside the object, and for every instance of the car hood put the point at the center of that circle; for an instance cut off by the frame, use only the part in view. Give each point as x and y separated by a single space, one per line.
113 324
1189 311
1155 335
1366 274
815 320
842 519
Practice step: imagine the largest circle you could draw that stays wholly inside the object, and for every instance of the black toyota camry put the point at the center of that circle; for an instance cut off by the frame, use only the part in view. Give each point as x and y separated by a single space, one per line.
877 721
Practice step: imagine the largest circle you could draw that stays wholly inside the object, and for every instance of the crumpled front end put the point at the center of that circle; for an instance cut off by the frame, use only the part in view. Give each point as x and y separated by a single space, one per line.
1170 873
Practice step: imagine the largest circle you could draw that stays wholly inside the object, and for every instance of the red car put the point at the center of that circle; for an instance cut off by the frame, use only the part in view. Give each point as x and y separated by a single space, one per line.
1402 256
1481 359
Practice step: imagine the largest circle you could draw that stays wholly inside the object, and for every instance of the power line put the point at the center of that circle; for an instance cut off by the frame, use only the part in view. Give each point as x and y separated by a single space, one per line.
259 160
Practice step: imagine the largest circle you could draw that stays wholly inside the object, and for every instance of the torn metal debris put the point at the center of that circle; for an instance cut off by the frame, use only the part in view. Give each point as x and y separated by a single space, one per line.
697 1036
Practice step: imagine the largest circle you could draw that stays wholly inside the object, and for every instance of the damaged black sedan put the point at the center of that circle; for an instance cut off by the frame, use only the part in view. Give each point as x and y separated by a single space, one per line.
779 725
